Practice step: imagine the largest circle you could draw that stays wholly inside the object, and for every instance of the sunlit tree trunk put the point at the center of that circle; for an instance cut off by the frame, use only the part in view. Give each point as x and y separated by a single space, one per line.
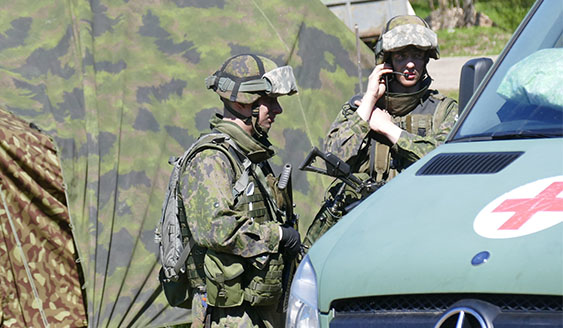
469 13
443 4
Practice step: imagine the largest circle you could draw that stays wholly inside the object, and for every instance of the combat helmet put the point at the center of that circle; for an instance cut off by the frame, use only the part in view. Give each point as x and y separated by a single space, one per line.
406 30
245 78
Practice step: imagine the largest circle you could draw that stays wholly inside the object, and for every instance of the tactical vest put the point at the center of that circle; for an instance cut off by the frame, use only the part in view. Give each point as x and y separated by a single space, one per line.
229 279
382 167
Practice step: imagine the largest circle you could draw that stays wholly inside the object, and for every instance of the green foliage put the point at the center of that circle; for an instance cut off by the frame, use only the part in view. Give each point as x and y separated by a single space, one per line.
472 41
506 14
453 93
421 8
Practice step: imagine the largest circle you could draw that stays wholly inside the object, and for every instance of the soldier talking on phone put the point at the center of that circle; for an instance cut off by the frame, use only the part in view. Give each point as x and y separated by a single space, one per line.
398 120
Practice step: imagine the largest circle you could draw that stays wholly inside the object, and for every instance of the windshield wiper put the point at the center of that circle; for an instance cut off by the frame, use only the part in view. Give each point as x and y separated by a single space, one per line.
523 135
508 136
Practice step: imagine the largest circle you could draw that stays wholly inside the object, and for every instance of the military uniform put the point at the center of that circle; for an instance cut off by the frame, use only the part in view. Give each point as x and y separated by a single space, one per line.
233 208
426 126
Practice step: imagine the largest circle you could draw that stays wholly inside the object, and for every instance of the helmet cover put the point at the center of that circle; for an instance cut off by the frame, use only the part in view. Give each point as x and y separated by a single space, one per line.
245 78
408 30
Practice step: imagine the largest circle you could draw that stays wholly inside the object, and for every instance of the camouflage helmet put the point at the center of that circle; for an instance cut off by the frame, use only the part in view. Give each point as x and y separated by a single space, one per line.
245 78
403 31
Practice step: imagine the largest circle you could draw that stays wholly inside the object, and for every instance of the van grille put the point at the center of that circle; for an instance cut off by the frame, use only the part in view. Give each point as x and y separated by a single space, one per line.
449 311
468 163
441 302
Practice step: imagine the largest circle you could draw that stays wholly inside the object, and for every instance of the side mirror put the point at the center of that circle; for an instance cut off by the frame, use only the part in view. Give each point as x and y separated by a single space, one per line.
472 73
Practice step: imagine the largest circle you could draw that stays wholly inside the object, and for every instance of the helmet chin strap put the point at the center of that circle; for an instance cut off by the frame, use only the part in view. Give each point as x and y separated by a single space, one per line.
258 131
246 119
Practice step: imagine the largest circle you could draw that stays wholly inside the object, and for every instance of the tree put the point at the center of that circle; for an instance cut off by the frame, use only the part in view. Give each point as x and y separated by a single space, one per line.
469 14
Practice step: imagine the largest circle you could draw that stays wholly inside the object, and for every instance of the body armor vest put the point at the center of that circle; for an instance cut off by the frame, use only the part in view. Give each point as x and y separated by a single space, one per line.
382 167
229 279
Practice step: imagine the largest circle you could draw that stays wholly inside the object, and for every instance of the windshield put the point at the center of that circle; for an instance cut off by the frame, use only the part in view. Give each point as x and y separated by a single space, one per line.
524 97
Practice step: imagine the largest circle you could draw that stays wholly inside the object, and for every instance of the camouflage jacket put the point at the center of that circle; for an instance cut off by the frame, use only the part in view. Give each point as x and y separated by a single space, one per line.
206 187
425 127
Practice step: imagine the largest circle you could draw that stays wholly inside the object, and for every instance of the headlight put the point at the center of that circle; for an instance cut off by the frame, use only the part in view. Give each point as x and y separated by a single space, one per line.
302 307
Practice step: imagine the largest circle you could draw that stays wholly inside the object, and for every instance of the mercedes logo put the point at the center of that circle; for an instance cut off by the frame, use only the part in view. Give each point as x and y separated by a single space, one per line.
462 317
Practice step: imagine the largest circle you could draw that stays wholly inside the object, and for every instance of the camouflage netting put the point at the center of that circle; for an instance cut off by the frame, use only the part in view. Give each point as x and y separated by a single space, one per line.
119 86
34 214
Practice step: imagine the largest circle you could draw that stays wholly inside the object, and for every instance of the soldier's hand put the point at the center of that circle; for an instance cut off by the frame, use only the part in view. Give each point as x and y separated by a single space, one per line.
290 242
376 82
382 123
375 90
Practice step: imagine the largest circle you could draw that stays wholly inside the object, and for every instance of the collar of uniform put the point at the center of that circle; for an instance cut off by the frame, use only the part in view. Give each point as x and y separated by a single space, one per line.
400 104
256 151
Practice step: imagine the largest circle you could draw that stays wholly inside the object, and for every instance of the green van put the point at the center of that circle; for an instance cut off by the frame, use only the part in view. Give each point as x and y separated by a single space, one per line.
471 235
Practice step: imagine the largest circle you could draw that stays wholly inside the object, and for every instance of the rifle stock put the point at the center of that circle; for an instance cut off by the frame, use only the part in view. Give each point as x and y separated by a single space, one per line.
336 168
341 198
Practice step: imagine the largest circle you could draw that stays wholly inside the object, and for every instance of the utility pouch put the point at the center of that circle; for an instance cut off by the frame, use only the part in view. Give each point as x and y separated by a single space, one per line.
178 293
223 277
265 287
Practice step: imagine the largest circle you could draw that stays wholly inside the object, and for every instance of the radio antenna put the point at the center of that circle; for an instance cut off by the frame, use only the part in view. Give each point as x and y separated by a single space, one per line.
358 58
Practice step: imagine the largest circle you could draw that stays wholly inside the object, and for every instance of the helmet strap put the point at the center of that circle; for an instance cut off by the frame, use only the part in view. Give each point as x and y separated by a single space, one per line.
246 119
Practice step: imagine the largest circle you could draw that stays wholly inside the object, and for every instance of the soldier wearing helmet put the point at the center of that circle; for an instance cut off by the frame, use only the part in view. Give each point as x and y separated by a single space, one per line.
232 204
399 118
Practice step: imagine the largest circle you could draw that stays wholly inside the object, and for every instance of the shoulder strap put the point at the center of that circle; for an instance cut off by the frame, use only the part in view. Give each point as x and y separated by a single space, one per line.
207 141
445 101
240 163
244 162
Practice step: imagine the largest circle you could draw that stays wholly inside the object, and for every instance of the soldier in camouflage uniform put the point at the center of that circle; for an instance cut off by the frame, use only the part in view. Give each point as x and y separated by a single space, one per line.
399 119
239 232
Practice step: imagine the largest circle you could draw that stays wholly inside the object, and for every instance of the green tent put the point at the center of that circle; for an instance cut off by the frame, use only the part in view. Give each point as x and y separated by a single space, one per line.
119 88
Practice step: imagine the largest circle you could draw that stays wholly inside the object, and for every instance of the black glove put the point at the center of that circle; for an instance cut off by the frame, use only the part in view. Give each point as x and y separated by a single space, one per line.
290 241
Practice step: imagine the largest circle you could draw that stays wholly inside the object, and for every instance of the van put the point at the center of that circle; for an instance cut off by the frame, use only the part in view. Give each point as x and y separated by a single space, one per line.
470 235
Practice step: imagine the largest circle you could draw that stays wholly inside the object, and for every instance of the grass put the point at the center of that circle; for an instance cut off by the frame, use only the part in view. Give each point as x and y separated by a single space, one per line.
454 93
477 40
472 41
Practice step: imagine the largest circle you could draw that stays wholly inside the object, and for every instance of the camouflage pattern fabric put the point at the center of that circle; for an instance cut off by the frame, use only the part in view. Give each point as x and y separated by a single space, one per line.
119 86
406 30
282 81
410 34
266 317
33 199
241 67
350 138
207 190
349 135
217 224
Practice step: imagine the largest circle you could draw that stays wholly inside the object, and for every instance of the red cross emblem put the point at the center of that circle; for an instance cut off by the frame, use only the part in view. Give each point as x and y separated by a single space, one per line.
525 208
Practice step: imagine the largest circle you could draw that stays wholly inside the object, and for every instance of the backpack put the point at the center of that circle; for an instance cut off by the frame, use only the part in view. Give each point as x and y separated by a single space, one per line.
172 232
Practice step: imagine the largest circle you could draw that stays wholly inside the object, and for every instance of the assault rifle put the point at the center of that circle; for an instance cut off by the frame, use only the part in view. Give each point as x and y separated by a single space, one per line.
337 168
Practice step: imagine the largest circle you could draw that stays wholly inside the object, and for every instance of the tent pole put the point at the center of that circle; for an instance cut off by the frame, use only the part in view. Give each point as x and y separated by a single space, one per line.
24 260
